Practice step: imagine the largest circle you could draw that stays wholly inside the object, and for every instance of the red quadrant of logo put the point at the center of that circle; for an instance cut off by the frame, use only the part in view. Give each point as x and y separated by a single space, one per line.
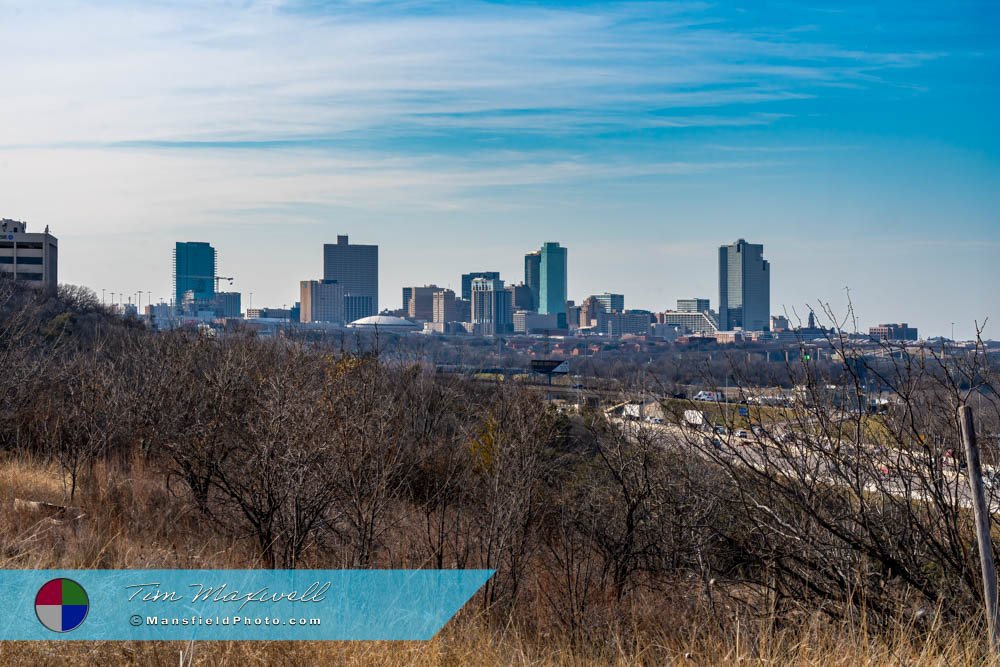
50 593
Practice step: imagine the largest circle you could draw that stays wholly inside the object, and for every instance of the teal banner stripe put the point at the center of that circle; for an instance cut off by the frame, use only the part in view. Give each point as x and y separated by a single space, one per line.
237 604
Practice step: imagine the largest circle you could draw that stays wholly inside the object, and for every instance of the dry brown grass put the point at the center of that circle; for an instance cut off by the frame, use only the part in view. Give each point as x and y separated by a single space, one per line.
133 522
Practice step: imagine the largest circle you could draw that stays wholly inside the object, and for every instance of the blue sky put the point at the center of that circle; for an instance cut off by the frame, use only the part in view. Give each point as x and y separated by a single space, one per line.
857 141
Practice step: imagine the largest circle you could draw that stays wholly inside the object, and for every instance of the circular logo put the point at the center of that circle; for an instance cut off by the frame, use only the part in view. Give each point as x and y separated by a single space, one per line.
61 605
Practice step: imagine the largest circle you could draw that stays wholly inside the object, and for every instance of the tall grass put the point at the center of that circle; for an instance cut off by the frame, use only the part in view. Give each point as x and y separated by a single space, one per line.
132 521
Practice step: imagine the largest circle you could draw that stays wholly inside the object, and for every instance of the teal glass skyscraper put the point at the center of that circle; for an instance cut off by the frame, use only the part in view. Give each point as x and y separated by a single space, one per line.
552 282
194 271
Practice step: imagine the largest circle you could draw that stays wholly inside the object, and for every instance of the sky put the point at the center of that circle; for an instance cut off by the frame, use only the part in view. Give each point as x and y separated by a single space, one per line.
857 141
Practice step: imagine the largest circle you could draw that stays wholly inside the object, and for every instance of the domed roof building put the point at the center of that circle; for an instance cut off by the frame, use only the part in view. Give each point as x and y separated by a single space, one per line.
385 323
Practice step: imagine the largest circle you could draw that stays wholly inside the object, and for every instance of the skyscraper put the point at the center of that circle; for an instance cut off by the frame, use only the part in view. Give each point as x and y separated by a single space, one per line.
521 297
420 305
491 307
744 287
321 302
355 268
444 307
194 271
552 282
532 275
467 279
611 302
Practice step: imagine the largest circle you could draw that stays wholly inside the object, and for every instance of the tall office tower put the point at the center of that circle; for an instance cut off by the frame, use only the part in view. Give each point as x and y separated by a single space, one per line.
444 307
420 305
407 295
552 282
30 258
467 279
463 310
194 271
611 302
533 275
744 287
355 268
521 297
321 302
695 305
491 307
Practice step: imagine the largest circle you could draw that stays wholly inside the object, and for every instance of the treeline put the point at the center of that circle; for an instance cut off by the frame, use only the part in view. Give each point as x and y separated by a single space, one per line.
309 455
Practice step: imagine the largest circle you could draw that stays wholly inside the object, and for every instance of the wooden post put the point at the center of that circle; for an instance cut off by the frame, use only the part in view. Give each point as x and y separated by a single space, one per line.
982 515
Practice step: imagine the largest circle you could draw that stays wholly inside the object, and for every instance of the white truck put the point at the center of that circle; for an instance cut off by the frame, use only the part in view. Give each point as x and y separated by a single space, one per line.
712 396
694 418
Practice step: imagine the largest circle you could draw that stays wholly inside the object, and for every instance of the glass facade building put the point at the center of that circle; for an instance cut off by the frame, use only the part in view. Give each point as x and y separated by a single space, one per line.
194 271
744 287
552 282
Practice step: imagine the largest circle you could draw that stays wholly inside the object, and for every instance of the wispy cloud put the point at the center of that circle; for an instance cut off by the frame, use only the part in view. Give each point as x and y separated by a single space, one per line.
266 71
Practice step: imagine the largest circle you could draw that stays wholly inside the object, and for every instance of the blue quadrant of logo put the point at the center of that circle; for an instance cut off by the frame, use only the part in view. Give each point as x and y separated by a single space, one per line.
73 615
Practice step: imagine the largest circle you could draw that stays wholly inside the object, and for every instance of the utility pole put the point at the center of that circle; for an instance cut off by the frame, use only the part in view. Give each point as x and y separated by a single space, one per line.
982 516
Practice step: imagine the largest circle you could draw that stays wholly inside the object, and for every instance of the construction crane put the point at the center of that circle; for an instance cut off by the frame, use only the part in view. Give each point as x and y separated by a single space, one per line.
215 278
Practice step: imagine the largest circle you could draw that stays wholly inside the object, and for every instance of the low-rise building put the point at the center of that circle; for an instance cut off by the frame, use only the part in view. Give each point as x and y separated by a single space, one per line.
29 258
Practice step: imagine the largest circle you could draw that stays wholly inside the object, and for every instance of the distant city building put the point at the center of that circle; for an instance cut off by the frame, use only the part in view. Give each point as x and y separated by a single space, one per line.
572 314
491 307
463 310
702 322
668 332
467 279
618 323
533 276
275 314
161 315
901 331
694 305
355 267
321 301
444 311
357 307
779 323
420 302
227 304
194 272
407 296
552 283
31 258
610 302
528 322
521 297
744 287
588 312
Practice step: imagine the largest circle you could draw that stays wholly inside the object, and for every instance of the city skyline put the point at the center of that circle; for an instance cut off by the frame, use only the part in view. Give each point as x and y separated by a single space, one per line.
857 143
